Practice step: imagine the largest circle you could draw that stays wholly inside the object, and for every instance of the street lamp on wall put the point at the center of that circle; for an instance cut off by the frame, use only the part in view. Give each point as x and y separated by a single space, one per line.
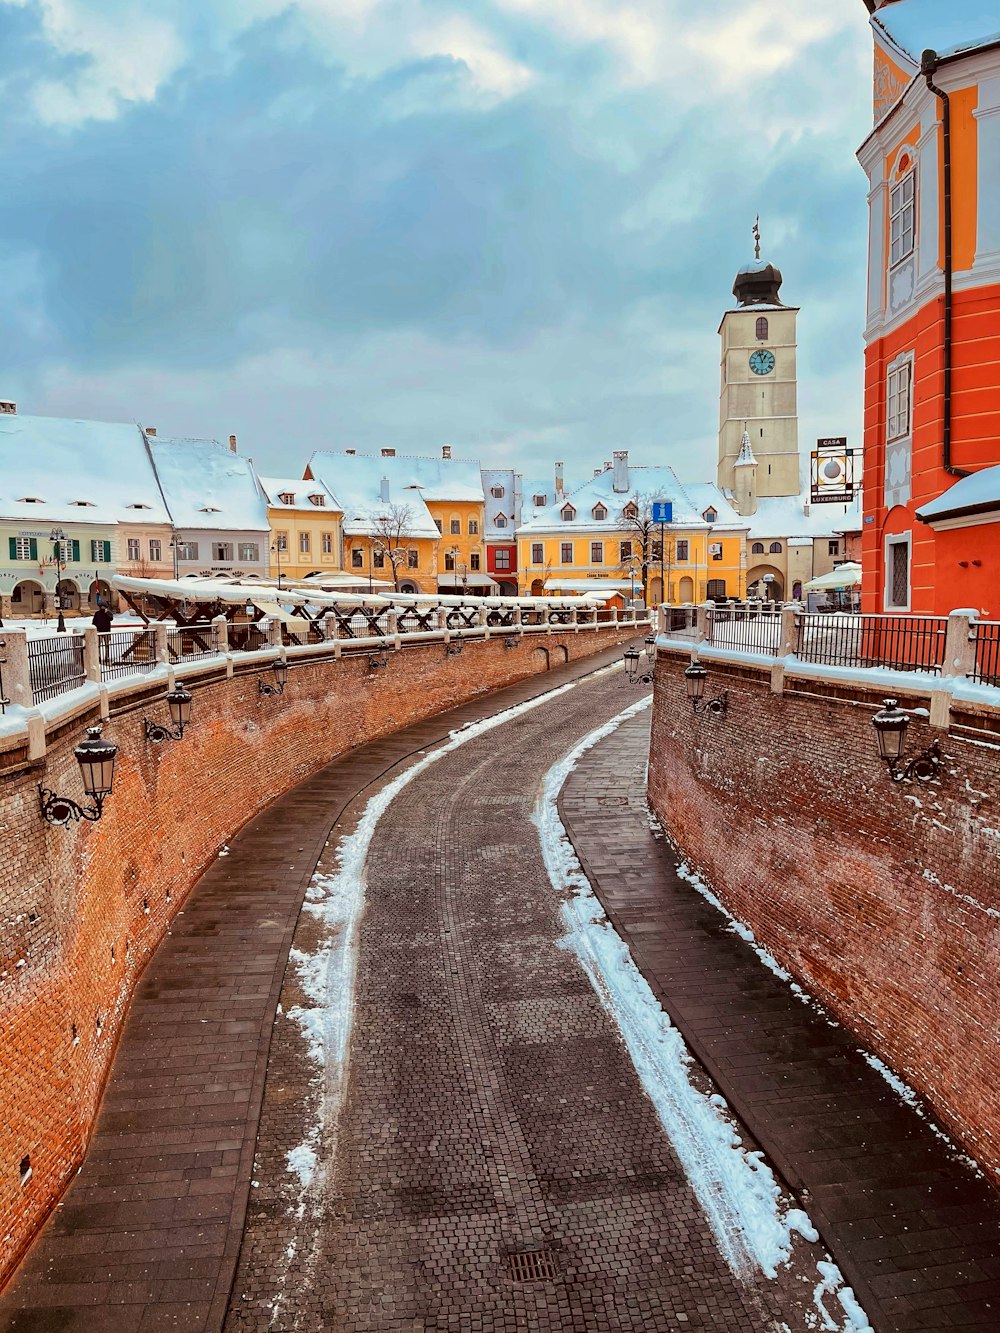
695 679
378 660
280 670
179 702
632 657
96 758
890 724
453 649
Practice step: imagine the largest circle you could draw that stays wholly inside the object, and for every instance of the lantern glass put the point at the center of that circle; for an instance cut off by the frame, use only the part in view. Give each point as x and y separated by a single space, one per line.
890 724
179 703
695 676
280 672
631 659
250 610
96 758
651 646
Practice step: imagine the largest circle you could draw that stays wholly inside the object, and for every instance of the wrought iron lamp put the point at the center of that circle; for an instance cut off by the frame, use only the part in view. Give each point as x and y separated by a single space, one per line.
179 702
453 649
378 659
280 670
512 640
890 724
631 658
695 679
96 758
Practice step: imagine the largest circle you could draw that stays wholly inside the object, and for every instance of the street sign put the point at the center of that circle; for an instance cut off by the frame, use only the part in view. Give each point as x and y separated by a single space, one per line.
834 471
663 511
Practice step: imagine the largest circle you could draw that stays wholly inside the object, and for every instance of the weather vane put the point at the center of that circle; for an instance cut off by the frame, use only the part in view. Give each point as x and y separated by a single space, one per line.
756 237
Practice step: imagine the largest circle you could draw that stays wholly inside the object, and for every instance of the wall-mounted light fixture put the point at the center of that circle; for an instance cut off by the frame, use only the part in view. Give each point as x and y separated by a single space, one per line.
890 724
280 670
632 670
512 640
179 702
96 758
695 679
453 648
379 659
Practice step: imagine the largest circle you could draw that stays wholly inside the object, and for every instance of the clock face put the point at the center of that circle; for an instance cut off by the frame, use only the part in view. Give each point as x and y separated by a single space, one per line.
761 361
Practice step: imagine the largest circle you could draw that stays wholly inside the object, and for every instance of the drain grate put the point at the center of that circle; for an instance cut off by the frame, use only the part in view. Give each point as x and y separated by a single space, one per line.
532 1266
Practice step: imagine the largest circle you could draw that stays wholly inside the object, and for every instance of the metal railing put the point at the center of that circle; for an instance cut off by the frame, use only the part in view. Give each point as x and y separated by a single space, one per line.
904 642
55 665
755 626
680 619
987 660
196 640
126 652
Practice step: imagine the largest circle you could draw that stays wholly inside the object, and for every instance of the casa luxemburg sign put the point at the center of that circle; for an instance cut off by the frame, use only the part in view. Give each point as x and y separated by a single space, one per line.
833 472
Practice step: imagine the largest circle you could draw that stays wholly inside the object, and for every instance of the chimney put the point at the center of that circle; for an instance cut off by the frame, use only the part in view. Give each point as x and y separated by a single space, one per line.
607 466
388 453
559 481
232 444
621 472
446 451
352 452
8 408
151 431
383 489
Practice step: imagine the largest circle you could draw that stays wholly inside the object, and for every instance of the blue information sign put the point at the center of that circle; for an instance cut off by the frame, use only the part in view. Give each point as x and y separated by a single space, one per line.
663 511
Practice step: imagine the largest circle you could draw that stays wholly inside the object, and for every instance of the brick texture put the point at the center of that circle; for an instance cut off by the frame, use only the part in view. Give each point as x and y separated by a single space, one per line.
882 898
83 908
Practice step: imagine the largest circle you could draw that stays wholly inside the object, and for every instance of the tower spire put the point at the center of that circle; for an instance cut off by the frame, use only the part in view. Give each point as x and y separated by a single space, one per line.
756 237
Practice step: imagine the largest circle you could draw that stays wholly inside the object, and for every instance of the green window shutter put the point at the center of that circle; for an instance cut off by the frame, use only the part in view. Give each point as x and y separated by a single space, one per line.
34 547
76 550
13 547
107 552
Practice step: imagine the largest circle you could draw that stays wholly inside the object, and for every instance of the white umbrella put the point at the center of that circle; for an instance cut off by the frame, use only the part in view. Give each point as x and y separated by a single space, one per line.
844 576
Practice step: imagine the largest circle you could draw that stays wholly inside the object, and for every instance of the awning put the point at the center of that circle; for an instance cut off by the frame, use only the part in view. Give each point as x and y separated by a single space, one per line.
592 585
844 576
466 581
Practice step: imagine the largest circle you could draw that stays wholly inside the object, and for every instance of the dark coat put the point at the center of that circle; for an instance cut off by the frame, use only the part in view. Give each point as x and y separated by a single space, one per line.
102 619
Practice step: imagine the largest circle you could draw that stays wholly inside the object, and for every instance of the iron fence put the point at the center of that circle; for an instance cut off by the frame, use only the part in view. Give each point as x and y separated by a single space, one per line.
987 662
755 627
680 619
249 638
55 665
903 643
126 652
195 640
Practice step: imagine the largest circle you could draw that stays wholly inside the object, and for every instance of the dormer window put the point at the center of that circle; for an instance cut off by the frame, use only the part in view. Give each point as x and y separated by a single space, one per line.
631 510
599 512
497 492
30 500
286 497
539 501
83 504
567 513
138 506
710 516
318 500
500 521
209 509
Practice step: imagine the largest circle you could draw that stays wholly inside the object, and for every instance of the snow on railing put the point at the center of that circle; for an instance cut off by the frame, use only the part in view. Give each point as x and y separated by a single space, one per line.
986 665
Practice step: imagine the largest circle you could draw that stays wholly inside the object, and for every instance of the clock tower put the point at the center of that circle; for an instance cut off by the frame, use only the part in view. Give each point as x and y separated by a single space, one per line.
759 396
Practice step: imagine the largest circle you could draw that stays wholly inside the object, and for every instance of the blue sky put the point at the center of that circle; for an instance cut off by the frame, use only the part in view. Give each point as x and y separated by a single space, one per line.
507 225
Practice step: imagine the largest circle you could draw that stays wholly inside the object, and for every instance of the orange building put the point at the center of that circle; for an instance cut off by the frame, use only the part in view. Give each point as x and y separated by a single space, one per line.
932 362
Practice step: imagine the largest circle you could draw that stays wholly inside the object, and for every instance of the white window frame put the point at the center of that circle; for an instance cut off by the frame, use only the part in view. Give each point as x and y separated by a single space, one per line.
22 548
134 548
565 559
155 549
538 553
304 543
248 551
326 540
898 375
897 539
903 218
597 553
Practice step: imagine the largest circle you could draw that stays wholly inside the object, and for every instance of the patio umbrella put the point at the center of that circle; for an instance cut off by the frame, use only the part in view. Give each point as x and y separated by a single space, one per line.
844 576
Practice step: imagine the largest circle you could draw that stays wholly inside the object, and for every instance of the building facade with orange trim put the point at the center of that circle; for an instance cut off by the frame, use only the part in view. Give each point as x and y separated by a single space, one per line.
932 362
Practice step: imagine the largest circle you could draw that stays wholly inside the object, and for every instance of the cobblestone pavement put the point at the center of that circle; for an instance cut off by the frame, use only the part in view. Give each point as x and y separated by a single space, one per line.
491 1108
913 1229
147 1236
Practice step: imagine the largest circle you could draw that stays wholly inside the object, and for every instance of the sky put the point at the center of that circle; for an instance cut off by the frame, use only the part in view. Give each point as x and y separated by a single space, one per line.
511 226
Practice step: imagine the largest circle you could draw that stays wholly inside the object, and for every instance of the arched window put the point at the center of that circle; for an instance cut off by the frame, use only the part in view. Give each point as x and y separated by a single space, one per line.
757 548
762 328
775 548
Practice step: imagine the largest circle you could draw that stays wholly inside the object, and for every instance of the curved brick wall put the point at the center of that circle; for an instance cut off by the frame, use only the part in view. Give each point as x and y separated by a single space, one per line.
882 899
82 908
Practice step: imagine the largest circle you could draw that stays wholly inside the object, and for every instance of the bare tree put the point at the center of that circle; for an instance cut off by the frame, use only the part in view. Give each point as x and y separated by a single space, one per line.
391 529
643 536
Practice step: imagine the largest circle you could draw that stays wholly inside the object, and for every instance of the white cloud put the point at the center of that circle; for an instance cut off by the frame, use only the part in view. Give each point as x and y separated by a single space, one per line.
492 70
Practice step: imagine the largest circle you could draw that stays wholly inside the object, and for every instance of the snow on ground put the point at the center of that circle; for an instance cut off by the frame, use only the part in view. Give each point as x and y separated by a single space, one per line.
737 1190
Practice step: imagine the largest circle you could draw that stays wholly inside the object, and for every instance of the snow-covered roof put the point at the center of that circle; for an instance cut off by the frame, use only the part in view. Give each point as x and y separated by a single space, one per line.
978 494
786 516
61 470
365 484
276 489
913 26
691 501
508 504
206 485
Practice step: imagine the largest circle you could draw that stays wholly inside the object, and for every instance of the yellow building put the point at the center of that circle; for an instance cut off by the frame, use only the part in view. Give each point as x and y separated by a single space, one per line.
306 525
601 537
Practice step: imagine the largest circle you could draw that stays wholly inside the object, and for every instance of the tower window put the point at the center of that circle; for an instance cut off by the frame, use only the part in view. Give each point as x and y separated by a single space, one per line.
902 219
762 328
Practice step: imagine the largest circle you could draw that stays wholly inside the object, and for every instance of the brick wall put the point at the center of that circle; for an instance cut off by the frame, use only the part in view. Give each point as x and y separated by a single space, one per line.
883 900
82 908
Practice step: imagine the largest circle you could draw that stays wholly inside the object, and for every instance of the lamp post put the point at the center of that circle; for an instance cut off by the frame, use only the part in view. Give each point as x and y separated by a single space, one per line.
175 549
58 537
276 548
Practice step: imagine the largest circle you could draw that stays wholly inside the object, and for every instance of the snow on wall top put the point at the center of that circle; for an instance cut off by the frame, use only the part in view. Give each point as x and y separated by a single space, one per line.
691 500
275 488
208 486
947 28
976 494
76 472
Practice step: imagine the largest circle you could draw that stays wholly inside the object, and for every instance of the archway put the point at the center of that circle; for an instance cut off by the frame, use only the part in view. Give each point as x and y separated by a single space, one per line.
560 654
100 591
797 590
655 591
773 588
685 589
540 659
408 585
68 595
537 587
28 598
507 589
